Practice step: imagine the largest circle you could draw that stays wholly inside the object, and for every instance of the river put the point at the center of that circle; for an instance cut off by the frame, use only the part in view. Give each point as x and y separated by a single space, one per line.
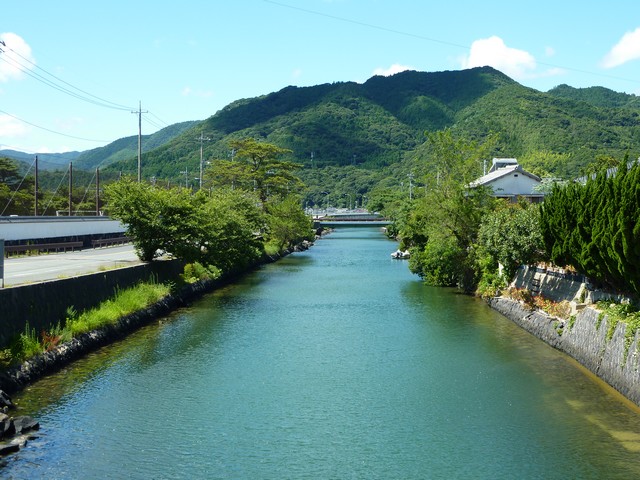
332 363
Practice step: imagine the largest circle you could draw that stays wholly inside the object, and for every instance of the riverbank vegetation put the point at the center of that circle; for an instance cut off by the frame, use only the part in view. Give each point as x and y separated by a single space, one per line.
217 232
595 227
124 302
462 236
253 209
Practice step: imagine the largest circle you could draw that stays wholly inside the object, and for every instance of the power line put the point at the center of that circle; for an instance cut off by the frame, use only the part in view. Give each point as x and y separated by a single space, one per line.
433 40
53 131
94 99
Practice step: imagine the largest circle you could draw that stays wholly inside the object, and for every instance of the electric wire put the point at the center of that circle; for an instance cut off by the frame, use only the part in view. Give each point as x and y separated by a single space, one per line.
56 191
434 40
53 131
94 99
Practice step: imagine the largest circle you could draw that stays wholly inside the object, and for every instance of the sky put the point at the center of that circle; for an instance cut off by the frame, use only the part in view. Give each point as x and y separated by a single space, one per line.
74 75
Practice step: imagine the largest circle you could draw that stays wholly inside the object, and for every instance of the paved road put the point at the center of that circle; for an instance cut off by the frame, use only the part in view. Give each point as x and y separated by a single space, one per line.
61 265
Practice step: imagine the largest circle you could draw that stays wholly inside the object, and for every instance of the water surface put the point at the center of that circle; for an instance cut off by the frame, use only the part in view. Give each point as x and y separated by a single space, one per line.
332 363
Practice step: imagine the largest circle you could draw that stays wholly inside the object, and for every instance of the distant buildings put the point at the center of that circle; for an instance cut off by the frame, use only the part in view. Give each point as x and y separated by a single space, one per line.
508 180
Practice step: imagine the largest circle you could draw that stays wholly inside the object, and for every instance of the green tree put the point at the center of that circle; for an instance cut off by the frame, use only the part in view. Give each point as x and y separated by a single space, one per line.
231 224
258 166
288 224
511 235
450 212
16 194
157 219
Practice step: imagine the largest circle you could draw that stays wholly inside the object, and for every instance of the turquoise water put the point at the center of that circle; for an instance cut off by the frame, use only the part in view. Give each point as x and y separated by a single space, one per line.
332 363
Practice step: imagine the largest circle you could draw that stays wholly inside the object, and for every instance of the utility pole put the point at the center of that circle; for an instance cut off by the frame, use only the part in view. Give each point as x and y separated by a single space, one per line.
35 210
97 192
70 187
202 140
139 112
186 177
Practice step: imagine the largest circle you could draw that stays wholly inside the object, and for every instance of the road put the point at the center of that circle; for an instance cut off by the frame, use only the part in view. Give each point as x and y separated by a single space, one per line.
39 268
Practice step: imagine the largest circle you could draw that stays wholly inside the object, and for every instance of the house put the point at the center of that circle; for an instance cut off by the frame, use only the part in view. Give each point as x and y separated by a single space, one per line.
508 180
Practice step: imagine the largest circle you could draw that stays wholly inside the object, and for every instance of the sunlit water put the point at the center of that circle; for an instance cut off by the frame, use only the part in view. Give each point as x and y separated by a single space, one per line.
332 363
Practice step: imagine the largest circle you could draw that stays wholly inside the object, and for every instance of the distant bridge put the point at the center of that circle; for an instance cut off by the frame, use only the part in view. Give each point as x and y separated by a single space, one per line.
350 219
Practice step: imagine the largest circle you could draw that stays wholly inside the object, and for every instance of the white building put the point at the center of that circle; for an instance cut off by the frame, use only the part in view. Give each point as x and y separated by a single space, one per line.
508 180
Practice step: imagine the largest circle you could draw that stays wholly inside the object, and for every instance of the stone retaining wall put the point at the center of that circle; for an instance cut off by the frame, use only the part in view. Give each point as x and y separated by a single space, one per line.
585 341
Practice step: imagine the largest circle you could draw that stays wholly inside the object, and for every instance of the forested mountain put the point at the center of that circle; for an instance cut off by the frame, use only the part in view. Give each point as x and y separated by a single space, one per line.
127 147
46 161
598 96
376 123
122 149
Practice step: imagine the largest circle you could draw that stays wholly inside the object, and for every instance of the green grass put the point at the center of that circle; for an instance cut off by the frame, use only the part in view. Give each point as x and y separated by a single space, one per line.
110 311
124 302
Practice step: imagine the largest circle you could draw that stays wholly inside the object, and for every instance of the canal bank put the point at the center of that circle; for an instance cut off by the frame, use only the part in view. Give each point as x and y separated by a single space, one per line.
584 337
336 362
43 305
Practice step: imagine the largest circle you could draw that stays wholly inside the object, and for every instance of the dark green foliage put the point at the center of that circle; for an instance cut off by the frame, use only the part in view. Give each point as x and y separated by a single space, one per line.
380 122
511 235
597 96
16 194
596 228
288 225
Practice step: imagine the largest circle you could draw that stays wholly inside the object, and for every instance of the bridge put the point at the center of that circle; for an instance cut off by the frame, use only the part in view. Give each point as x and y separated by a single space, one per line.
349 218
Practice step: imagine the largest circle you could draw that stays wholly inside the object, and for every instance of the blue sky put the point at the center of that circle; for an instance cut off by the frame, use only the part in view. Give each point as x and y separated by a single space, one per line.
71 72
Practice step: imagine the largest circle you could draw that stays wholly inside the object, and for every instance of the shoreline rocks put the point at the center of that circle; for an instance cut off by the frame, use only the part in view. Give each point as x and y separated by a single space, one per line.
15 432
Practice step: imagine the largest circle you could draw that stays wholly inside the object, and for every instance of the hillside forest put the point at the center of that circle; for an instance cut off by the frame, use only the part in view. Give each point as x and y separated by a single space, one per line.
398 145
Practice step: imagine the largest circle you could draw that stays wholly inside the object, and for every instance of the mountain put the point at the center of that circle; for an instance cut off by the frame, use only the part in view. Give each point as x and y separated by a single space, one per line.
122 149
46 161
597 96
126 148
379 122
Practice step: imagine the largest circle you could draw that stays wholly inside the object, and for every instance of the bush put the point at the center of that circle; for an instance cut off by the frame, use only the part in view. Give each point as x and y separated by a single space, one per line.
194 272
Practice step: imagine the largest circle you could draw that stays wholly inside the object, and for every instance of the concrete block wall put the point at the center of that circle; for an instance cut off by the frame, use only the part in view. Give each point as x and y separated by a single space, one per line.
44 305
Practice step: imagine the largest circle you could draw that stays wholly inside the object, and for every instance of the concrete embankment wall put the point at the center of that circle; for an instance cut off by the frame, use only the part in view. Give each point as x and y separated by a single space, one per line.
45 304
584 339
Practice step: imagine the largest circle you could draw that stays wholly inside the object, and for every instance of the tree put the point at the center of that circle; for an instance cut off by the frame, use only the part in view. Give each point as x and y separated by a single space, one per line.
270 175
158 219
450 211
231 227
511 235
9 172
16 194
287 223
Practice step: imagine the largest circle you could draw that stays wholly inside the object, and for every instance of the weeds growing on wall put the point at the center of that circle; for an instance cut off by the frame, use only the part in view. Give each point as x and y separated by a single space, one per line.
616 313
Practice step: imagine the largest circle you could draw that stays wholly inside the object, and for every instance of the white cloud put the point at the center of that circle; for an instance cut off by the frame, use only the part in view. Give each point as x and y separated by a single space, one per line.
17 54
10 127
392 70
627 49
493 52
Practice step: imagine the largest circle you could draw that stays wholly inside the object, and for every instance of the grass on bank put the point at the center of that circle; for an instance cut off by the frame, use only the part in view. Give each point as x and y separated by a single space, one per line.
124 302
29 344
